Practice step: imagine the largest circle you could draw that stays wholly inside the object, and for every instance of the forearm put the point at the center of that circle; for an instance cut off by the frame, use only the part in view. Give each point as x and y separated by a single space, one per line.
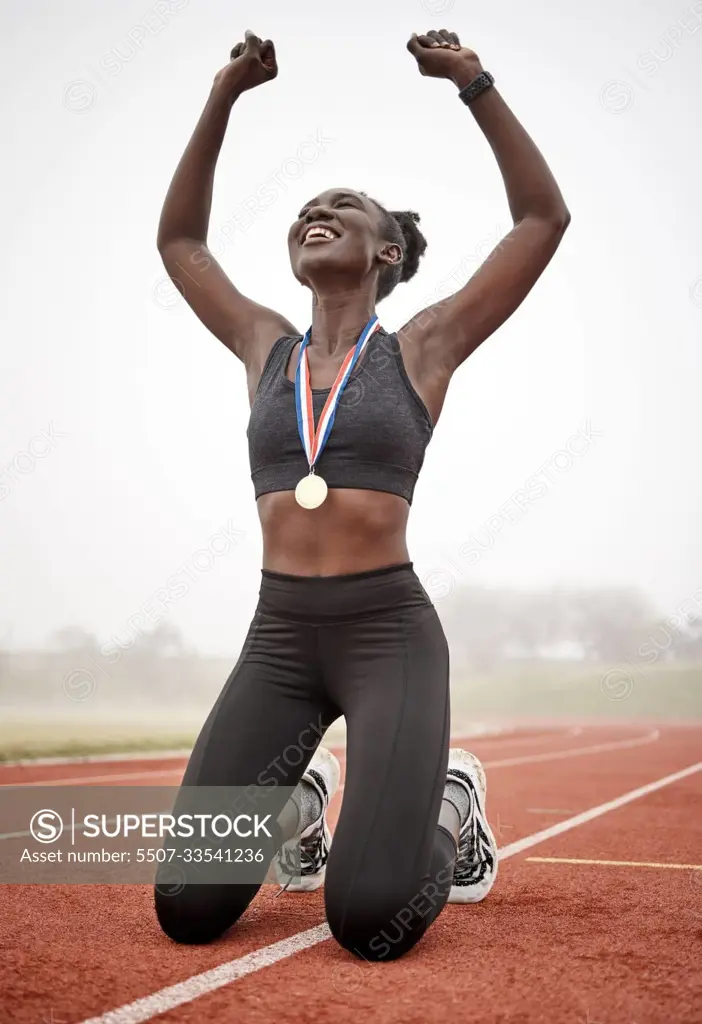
530 186
186 210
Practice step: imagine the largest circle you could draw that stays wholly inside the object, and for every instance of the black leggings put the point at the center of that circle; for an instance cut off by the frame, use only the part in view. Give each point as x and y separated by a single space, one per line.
370 647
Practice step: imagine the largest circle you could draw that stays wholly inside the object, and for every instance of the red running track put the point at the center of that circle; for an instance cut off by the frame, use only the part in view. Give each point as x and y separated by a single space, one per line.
554 941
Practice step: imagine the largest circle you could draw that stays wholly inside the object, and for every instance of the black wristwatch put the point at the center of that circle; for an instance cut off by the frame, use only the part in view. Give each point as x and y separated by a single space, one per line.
477 87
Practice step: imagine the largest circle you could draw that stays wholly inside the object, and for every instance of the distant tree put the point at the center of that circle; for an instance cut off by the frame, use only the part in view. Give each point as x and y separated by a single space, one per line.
537 622
687 645
608 623
477 628
485 627
164 641
72 638
5 655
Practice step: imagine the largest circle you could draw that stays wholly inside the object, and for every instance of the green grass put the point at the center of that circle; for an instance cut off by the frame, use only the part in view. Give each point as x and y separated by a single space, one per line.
571 691
27 736
31 747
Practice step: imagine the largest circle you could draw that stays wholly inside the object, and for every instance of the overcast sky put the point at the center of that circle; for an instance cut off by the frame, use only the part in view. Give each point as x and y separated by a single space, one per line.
143 459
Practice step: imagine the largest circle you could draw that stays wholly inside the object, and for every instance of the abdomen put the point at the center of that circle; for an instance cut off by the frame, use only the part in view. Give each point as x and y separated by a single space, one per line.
352 531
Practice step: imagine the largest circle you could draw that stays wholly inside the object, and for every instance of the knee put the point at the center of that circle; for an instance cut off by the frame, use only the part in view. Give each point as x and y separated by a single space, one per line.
374 926
198 914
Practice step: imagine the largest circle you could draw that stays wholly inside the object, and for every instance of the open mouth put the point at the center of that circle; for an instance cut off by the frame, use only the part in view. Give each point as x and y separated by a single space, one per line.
319 233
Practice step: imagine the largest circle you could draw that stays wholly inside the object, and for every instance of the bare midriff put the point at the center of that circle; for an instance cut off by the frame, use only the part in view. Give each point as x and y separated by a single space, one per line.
352 531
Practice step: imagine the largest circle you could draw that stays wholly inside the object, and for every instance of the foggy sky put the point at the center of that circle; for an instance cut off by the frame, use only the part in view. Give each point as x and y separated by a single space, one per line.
123 459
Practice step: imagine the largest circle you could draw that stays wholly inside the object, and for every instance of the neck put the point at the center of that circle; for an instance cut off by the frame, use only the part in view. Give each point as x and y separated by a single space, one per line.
339 318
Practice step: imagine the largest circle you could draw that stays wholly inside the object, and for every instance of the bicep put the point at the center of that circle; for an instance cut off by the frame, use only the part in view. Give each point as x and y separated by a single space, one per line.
246 327
458 324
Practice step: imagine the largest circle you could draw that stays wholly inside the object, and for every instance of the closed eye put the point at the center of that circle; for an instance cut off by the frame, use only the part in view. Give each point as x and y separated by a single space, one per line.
346 201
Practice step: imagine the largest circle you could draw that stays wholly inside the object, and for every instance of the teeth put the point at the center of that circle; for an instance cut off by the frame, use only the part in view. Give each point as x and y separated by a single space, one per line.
320 232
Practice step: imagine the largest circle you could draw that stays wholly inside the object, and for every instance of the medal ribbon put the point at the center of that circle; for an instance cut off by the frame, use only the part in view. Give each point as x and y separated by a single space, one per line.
313 441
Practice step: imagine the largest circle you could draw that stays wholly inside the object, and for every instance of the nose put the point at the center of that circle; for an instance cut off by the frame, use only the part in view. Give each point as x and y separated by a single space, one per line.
316 213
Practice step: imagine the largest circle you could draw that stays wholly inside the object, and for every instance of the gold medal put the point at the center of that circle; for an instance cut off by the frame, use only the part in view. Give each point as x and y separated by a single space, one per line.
311 491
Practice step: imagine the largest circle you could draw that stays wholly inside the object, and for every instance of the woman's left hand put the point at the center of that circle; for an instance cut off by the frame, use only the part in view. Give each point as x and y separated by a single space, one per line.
440 55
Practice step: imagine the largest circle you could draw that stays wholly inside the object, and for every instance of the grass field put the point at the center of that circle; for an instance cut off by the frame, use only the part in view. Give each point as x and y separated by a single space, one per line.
25 734
566 690
539 691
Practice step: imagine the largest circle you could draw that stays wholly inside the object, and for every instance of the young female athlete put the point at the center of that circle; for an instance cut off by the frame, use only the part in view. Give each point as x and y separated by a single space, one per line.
340 421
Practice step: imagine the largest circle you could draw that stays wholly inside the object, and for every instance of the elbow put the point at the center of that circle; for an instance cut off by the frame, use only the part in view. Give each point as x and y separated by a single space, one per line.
170 231
165 242
549 221
556 222
164 232
558 219
163 239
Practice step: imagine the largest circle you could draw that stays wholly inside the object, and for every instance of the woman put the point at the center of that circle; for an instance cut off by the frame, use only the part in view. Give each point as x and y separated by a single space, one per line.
340 421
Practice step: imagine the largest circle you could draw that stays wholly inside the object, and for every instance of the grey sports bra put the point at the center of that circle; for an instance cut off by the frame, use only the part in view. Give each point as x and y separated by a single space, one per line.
380 432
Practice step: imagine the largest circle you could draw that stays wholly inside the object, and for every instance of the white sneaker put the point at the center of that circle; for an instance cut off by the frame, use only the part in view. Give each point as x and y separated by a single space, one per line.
476 861
323 774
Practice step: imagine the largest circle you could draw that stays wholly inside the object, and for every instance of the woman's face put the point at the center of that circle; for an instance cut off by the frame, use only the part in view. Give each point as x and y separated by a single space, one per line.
338 235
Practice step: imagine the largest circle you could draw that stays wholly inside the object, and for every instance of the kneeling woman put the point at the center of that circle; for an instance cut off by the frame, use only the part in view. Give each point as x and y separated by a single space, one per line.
340 420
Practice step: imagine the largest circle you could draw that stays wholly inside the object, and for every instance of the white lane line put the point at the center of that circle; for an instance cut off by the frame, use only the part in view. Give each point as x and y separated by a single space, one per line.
557 755
554 755
146 755
615 863
209 981
510 740
595 812
201 984
547 810
84 780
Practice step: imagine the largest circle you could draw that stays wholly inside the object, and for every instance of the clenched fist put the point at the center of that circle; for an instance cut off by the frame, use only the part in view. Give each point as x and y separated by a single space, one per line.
440 55
251 63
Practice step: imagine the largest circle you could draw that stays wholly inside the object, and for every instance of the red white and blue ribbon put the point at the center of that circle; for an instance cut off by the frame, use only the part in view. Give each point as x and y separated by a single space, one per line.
313 441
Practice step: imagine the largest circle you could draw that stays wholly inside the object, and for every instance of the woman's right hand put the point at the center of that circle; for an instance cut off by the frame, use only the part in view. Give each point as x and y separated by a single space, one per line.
252 63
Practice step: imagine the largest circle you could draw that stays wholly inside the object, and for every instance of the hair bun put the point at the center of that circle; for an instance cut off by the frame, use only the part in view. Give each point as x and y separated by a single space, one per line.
415 242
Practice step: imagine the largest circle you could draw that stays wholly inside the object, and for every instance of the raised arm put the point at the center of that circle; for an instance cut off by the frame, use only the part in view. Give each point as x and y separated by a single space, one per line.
446 333
245 327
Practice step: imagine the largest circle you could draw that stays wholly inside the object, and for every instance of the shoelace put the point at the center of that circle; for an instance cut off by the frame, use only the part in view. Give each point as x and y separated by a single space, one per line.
311 847
311 856
472 862
476 858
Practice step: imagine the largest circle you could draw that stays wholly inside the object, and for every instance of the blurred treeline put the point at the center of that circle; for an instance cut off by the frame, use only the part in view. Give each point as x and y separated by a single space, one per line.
489 630
604 626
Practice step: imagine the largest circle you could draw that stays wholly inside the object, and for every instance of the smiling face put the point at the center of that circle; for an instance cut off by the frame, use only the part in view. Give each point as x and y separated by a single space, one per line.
338 236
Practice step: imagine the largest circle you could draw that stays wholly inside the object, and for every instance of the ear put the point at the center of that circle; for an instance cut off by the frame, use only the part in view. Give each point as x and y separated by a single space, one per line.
390 254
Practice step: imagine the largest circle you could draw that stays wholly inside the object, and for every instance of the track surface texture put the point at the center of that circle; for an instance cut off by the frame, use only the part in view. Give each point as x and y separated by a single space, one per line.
615 940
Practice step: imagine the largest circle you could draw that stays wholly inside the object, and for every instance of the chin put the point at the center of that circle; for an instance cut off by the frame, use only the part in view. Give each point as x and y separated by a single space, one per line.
321 261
